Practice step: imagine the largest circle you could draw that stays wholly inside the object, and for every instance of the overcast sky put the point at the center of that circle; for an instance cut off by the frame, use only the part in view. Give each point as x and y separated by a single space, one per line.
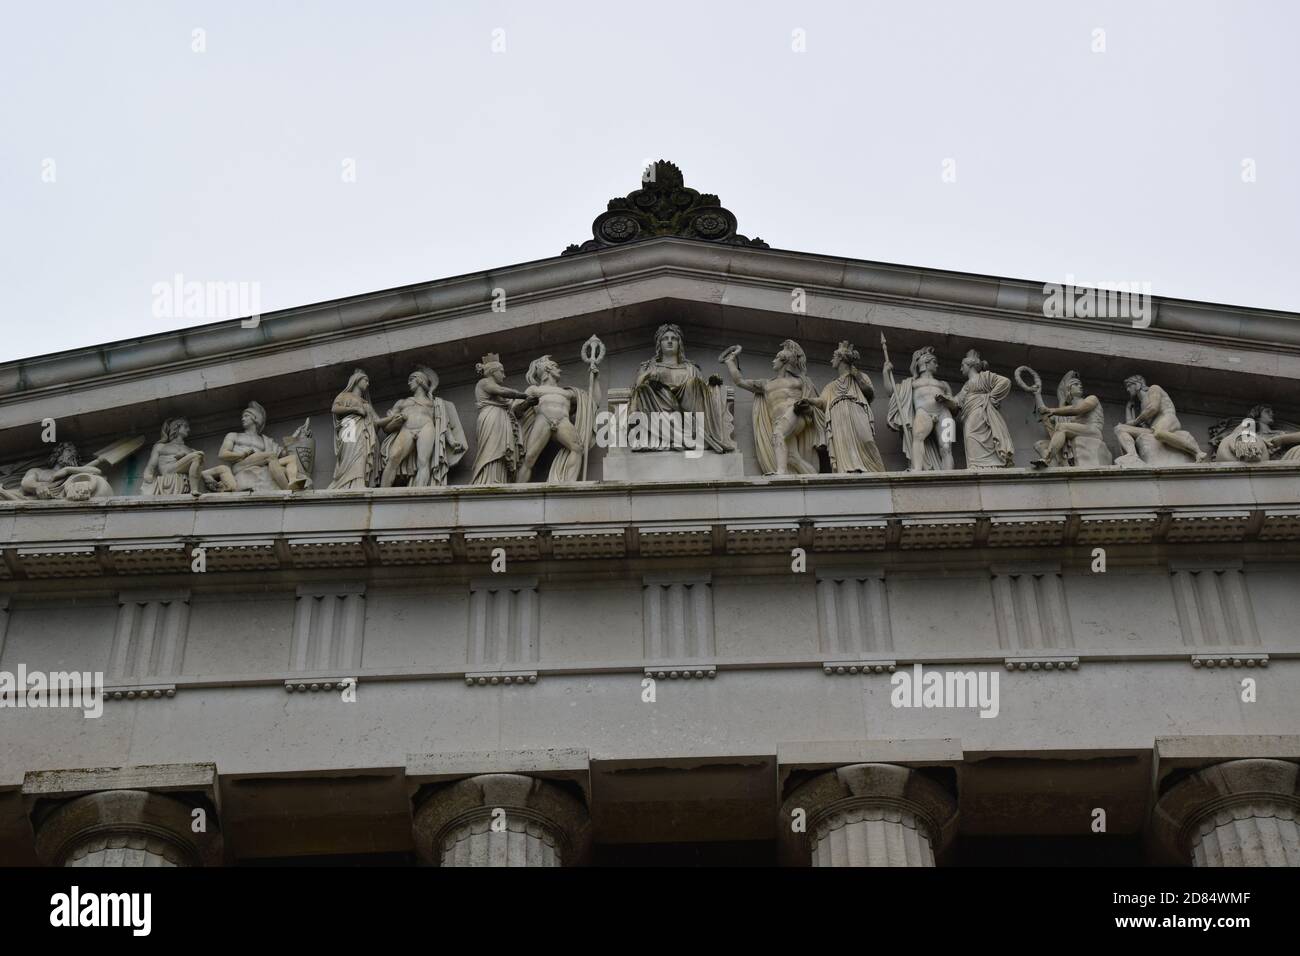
128 157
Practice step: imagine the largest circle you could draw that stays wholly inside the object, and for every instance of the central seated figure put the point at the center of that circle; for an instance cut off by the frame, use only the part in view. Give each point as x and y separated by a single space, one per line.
677 421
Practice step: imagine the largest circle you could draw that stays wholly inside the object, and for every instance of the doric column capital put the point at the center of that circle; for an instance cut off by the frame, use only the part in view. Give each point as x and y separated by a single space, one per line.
125 828
1238 813
502 819
907 804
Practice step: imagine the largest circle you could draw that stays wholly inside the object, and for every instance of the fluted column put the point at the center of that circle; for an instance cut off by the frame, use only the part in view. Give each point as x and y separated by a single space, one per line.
502 819
123 828
868 814
1239 813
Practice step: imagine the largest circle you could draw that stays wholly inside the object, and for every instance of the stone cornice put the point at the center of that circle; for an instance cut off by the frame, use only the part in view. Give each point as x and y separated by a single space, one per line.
591 276
958 510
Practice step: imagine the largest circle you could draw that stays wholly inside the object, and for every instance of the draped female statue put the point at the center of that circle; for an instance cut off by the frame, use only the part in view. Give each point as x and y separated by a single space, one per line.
671 383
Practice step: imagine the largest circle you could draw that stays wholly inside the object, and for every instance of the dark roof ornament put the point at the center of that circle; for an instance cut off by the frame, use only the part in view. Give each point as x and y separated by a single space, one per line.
664 206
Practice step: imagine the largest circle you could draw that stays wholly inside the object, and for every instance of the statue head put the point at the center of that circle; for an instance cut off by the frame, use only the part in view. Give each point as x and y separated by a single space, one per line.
669 341
543 371
422 378
174 429
254 417
491 367
358 382
846 354
791 357
1134 385
1262 414
1069 389
64 455
972 363
924 360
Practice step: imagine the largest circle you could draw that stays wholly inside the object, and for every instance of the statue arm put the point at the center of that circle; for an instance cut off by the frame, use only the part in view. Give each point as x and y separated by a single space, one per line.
757 386
151 469
228 453
1150 408
864 382
1083 407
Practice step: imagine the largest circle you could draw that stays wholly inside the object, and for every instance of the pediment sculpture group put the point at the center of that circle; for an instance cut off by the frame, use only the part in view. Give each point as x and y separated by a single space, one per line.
420 439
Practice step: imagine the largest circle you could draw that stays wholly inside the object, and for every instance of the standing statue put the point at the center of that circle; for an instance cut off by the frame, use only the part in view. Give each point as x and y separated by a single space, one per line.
1075 427
850 425
1253 440
174 467
921 407
425 438
1153 435
356 436
789 421
253 461
987 438
500 442
561 414
669 382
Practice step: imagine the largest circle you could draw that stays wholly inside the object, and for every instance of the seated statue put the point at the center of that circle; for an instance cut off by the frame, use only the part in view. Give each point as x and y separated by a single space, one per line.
671 383
1153 435
64 479
1253 440
253 461
174 468
1075 427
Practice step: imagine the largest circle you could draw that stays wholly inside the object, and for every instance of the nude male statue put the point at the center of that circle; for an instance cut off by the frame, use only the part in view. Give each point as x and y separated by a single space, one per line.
921 407
789 423
1151 414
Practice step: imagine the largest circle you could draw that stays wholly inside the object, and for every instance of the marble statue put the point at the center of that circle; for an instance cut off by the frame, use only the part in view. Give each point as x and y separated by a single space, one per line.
174 467
66 479
789 421
669 382
252 461
500 448
984 430
1075 425
1253 440
560 414
921 407
850 425
1153 435
356 436
425 438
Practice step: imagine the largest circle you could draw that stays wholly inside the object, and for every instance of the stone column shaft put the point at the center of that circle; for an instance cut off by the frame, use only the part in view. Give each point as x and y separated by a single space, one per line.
1237 813
120 828
868 815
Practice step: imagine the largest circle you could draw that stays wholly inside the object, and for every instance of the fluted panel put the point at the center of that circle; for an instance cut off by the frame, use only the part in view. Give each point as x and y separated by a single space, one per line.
678 618
149 637
504 622
871 836
1249 834
328 628
853 613
521 843
1214 608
